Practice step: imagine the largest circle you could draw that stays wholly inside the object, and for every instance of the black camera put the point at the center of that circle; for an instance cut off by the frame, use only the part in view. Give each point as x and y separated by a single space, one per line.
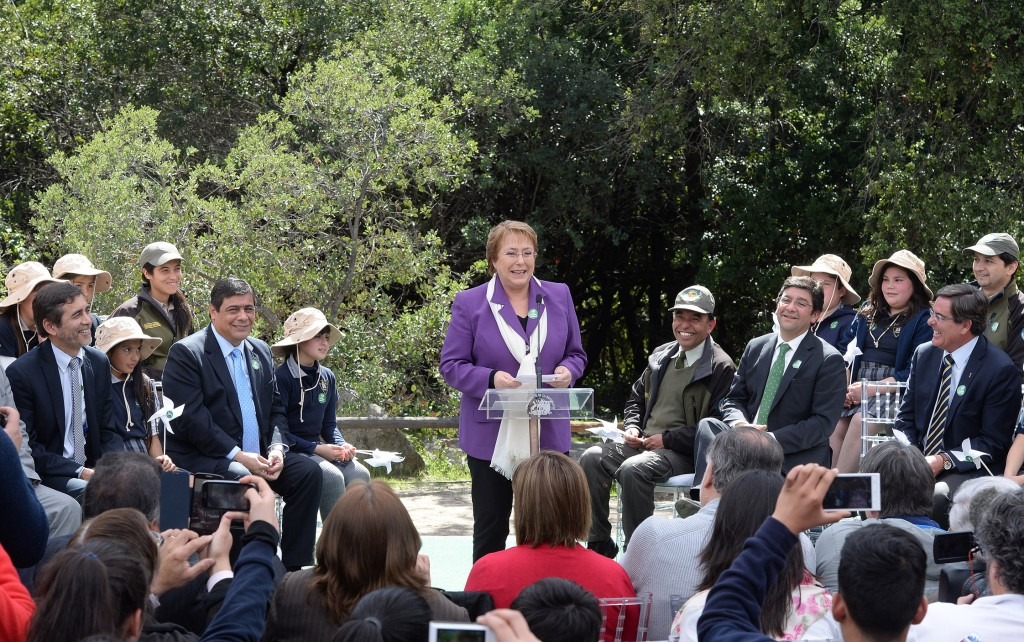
954 547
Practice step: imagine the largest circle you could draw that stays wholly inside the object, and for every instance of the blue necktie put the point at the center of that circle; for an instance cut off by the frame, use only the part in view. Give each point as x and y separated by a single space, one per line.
250 426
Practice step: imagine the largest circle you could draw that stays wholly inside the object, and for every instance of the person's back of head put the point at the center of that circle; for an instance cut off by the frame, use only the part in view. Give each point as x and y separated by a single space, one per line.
965 512
387 615
560 610
99 588
126 527
881 582
124 480
906 481
739 450
552 500
1001 537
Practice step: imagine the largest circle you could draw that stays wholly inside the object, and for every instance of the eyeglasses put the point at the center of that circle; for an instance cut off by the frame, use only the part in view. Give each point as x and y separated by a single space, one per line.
939 317
800 303
512 255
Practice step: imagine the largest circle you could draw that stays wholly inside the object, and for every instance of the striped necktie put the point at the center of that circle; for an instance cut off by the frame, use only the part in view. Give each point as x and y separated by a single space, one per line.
77 410
937 427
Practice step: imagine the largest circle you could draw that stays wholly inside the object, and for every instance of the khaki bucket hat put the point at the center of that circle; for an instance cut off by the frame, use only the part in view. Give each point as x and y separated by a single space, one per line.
837 267
79 264
906 260
116 330
301 326
22 279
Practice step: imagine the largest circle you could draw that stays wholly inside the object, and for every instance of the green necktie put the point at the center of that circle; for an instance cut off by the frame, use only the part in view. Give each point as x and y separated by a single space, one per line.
772 385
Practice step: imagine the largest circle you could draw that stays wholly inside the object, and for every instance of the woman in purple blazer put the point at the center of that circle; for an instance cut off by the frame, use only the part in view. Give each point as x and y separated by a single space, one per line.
497 330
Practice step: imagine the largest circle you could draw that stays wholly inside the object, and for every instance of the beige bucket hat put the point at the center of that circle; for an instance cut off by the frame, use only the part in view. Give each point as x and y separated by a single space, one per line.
906 260
837 267
22 279
118 329
301 326
79 264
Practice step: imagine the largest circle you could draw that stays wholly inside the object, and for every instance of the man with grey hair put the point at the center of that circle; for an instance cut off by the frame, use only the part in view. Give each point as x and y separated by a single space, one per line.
662 558
685 380
907 487
999 616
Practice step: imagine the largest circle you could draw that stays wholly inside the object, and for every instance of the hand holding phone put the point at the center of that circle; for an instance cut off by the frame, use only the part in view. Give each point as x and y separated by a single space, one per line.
460 632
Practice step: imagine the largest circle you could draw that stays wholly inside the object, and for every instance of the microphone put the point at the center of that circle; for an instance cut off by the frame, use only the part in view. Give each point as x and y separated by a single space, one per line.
540 377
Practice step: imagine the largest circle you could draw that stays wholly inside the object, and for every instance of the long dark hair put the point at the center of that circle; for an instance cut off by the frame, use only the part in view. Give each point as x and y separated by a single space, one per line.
745 503
113 580
387 615
10 316
182 312
875 305
142 388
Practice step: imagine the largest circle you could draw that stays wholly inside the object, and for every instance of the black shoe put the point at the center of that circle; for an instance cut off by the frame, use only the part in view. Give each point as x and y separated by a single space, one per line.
606 547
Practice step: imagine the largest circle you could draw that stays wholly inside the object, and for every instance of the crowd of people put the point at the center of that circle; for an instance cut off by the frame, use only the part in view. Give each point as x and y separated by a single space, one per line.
83 555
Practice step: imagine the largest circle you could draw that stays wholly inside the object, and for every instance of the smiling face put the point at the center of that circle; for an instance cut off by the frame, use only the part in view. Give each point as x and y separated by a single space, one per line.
235 318
947 333
315 349
795 312
75 329
87 284
897 288
691 328
992 273
517 256
164 280
125 356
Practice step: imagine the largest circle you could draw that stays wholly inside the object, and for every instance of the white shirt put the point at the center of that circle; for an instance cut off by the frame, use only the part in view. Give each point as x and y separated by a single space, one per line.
960 357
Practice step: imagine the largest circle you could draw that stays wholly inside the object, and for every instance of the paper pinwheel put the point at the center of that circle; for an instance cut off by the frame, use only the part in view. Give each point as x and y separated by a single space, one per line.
380 458
968 454
608 431
852 352
167 413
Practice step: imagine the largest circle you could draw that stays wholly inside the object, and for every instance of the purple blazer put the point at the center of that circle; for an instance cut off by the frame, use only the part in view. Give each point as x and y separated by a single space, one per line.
473 348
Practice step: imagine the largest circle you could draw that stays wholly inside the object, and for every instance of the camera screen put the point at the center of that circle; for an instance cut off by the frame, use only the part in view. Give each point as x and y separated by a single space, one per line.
225 496
849 493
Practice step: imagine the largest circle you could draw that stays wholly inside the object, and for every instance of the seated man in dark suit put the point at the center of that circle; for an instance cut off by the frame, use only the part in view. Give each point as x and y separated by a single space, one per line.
961 385
234 422
790 383
62 389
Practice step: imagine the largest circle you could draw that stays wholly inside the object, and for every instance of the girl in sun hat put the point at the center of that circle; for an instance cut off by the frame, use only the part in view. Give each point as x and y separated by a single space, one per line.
160 307
310 395
888 328
834 275
81 272
135 401
17 322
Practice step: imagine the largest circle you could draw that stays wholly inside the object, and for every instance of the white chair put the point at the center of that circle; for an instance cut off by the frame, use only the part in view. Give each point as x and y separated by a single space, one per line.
879 409
679 485
617 613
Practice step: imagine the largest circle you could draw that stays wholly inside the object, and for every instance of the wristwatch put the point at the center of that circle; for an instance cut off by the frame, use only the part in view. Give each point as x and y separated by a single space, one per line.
947 461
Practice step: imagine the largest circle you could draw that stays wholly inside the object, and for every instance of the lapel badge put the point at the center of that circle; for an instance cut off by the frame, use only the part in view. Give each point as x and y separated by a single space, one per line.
323 385
796 364
960 390
255 364
533 314
322 397
835 324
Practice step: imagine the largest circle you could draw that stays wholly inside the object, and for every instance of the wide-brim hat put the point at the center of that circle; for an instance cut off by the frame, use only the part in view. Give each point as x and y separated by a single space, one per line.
837 267
22 279
301 326
906 260
996 243
80 265
117 330
158 253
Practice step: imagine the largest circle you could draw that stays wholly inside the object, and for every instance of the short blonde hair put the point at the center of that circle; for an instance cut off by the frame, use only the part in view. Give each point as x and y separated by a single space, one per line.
552 501
497 236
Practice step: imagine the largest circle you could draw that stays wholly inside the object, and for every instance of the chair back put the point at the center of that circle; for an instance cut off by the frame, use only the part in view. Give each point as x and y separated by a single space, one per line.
879 403
624 619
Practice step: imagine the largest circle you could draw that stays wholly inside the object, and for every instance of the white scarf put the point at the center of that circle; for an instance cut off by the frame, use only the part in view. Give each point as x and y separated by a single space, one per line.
513 443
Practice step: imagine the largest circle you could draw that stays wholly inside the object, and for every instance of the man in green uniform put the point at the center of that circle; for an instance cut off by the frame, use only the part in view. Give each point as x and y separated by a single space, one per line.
996 258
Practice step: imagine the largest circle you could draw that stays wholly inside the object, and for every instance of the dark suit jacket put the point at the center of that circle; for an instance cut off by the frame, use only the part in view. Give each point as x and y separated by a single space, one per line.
38 393
807 403
211 422
986 411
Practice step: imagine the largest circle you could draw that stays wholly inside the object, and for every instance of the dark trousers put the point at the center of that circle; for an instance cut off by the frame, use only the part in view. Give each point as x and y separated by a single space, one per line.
492 506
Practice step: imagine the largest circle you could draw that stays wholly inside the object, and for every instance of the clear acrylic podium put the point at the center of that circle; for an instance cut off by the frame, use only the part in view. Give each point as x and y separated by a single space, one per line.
536 404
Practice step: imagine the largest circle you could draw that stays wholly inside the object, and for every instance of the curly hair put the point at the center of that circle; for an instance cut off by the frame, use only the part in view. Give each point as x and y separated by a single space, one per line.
1001 535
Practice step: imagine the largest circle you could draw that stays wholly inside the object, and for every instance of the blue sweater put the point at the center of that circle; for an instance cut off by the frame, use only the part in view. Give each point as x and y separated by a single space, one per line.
915 332
23 529
316 419
733 609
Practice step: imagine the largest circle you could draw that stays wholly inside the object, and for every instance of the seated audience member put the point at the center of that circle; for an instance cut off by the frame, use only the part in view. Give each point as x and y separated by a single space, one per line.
391 614
80 271
309 392
662 559
101 586
508 626
62 391
16 605
789 383
560 610
135 399
833 273
996 259
999 616
907 487
18 332
887 330
23 527
551 514
879 556
684 382
961 386
368 542
1014 468
795 604
973 498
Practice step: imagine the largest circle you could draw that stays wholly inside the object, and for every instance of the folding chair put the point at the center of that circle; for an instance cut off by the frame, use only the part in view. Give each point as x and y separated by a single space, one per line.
679 485
879 409
624 619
